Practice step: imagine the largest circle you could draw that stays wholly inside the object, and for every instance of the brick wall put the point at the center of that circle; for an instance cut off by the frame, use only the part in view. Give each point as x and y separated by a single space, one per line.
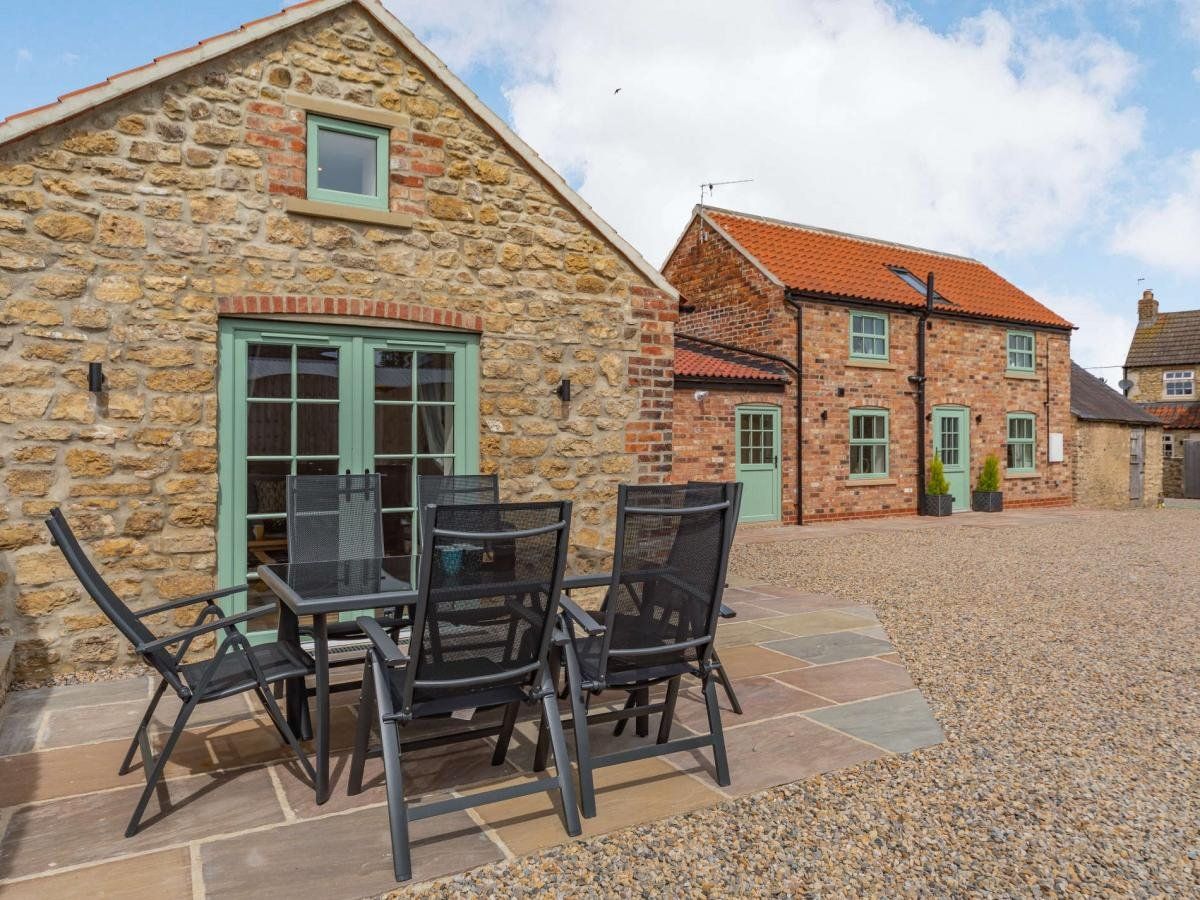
966 365
1101 455
126 232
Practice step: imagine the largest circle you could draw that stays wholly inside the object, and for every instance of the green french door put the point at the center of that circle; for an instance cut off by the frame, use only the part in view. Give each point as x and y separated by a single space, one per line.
952 444
757 468
312 400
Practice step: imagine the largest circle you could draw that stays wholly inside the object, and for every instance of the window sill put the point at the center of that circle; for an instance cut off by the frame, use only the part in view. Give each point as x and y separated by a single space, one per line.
870 482
1016 475
852 362
1022 376
324 210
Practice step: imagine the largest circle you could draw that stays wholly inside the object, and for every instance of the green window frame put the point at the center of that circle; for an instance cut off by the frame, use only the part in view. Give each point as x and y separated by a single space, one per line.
1021 447
868 336
382 137
869 443
1022 346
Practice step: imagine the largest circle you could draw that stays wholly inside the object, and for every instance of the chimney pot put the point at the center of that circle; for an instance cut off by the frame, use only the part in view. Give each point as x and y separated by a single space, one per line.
1147 307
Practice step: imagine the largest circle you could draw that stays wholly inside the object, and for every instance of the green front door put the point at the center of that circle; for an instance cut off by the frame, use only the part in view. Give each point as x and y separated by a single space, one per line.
757 443
317 400
952 444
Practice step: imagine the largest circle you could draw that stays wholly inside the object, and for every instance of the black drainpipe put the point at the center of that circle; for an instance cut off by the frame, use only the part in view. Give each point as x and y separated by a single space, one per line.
919 381
794 368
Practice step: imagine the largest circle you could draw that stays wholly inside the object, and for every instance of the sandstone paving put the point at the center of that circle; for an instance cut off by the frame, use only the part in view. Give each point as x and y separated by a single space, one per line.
1058 652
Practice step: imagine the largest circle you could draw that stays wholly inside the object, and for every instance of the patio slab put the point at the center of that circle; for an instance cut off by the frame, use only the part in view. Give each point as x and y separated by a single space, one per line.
821 688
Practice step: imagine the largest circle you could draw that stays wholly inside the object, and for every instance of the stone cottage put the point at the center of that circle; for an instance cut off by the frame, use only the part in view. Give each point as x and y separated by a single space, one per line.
1117 463
301 246
862 376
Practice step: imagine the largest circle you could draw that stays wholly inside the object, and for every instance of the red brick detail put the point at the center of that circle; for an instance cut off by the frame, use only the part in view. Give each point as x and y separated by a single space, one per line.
651 375
812 518
265 304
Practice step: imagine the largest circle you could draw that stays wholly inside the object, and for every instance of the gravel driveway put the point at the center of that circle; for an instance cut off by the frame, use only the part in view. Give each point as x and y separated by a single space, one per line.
1063 662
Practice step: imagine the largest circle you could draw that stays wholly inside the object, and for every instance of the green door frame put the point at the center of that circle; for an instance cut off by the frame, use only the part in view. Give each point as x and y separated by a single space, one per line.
748 513
355 398
959 474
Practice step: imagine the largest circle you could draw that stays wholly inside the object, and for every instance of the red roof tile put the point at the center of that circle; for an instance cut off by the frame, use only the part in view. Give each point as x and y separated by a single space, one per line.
844 265
1175 415
696 360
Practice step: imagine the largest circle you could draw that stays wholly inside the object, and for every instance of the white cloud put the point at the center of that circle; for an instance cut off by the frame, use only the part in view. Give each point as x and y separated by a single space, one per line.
1189 13
846 114
24 57
1103 335
1166 231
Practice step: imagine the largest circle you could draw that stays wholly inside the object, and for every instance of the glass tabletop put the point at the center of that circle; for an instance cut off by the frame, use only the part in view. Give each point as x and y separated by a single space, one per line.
332 585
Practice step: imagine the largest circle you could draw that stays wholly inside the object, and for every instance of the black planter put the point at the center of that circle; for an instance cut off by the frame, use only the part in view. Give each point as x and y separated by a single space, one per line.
939 504
987 501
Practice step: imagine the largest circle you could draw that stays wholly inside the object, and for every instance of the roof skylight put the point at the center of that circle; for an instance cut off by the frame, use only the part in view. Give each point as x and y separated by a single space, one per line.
916 283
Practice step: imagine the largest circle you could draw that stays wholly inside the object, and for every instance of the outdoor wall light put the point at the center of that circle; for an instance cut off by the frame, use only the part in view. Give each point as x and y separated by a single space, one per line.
841 392
978 418
824 415
564 390
95 378
700 395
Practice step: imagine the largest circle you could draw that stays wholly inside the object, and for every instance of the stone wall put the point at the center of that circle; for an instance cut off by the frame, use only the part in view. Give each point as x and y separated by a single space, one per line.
126 232
966 365
1101 453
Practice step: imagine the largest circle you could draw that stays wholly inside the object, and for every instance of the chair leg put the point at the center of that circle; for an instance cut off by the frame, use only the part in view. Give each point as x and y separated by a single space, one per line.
506 730
562 762
583 755
362 729
145 723
728 685
643 721
718 734
668 713
630 703
289 737
397 808
543 741
160 763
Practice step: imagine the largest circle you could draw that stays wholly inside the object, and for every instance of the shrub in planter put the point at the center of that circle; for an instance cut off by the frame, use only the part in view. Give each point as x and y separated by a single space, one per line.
987 496
938 501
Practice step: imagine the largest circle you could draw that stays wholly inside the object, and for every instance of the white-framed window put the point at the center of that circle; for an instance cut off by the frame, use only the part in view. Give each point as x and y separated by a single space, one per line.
1179 383
1168 445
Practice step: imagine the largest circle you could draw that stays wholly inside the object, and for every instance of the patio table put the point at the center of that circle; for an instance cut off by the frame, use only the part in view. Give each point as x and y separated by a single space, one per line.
328 588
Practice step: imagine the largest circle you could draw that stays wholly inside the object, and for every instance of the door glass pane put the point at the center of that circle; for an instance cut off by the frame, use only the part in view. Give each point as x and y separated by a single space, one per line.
435 377
435 429
266 485
949 441
346 162
393 429
317 373
393 375
397 533
396 482
443 466
316 467
269 370
268 429
316 429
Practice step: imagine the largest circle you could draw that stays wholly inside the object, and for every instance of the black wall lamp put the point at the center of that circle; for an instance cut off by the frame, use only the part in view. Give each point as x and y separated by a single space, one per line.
95 378
564 390
978 418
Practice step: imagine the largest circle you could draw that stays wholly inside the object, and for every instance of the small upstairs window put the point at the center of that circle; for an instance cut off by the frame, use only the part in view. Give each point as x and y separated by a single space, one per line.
1180 383
868 336
347 162
1020 351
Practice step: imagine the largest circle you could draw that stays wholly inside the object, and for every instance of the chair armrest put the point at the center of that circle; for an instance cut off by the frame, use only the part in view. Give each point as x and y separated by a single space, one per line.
198 630
728 612
188 601
580 616
392 655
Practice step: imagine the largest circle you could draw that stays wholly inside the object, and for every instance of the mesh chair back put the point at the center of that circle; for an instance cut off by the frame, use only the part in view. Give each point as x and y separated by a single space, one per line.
131 627
334 517
457 490
668 575
488 596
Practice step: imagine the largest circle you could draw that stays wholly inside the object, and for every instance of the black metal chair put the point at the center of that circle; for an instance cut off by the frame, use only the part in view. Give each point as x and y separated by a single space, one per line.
237 667
481 638
658 623
455 490
337 517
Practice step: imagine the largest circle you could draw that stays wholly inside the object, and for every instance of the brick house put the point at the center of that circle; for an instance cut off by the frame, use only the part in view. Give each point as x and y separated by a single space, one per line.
301 246
1115 452
852 435
1161 366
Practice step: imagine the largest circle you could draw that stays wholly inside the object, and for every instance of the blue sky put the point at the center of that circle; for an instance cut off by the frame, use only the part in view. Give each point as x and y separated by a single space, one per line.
1130 72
